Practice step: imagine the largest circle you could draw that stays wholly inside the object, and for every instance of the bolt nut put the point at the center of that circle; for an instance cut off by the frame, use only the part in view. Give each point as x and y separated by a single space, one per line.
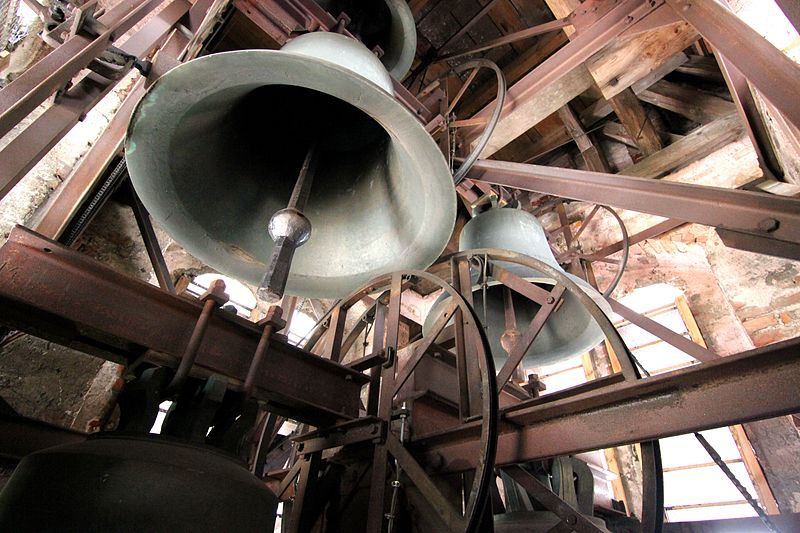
571 520
550 299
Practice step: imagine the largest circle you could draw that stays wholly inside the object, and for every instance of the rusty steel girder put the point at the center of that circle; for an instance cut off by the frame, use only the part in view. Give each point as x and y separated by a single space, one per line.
753 385
772 223
64 296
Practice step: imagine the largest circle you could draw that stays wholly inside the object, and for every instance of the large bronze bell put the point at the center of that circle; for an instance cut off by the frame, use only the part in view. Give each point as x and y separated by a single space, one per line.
568 332
147 483
388 24
215 146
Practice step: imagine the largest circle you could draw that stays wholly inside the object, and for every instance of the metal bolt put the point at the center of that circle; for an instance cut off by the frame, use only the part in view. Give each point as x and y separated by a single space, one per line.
769 225
550 299
571 520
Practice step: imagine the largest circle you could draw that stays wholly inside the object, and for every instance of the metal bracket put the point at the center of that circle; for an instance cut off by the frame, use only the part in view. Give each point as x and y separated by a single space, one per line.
367 429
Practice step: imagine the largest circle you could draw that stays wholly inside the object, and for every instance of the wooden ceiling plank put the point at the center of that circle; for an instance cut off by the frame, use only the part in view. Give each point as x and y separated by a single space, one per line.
625 61
601 108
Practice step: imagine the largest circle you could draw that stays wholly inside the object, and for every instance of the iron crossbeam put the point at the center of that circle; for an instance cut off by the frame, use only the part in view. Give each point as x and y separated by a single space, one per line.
753 385
766 217
50 74
59 294
31 145
768 69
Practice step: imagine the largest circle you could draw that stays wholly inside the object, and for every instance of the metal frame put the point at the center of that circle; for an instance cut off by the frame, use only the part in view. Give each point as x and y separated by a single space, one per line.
123 319
773 221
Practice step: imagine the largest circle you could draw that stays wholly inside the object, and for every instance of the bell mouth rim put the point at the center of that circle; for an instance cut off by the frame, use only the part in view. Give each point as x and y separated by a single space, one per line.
276 67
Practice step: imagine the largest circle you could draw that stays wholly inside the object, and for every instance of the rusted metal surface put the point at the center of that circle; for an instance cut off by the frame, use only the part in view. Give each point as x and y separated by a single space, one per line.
527 33
737 210
791 9
701 353
768 69
751 116
66 297
44 78
77 186
753 385
27 148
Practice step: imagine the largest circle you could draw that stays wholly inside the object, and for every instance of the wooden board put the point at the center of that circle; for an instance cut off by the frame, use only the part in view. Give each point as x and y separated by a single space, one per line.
625 61
697 144
520 116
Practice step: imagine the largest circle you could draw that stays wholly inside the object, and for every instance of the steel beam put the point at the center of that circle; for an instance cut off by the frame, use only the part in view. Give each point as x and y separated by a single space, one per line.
53 72
70 195
27 148
586 43
768 69
767 218
753 385
64 296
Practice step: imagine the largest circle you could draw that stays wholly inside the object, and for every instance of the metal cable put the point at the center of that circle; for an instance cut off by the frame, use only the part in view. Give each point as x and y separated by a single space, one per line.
493 120
744 492
625 251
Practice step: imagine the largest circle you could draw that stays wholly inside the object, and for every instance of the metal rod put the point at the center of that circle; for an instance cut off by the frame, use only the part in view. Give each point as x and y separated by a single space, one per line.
270 322
398 471
290 229
199 331
736 483
151 243
701 353
527 33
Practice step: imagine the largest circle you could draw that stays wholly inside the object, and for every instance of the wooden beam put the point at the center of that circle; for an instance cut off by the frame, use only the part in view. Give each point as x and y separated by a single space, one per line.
592 155
687 101
614 67
625 61
704 67
514 71
601 108
524 113
633 117
699 143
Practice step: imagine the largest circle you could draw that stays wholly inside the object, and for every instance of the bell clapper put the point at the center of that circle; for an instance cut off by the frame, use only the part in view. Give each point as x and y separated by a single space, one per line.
290 229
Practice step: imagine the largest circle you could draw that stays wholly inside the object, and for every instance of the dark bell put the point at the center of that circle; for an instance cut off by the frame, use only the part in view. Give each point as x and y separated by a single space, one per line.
141 484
